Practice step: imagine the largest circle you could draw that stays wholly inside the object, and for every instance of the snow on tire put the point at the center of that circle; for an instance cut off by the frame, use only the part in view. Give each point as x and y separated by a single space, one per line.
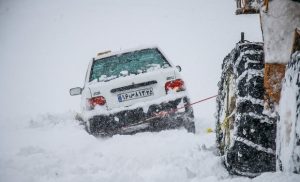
288 127
244 138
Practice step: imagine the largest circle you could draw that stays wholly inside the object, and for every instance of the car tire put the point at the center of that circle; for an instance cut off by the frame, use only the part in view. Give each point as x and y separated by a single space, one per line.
189 121
190 127
288 126
244 137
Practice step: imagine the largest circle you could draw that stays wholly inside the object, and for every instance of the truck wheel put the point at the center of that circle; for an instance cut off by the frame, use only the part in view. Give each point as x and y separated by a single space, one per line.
244 137
288 127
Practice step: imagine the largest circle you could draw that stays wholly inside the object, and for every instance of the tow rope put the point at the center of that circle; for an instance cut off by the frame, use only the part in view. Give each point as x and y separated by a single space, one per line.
165 113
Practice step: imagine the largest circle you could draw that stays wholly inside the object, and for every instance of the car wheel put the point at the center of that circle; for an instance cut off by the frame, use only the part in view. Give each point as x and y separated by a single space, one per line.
189 122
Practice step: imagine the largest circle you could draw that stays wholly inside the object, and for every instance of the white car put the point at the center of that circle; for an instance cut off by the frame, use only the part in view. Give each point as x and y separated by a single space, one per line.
132 91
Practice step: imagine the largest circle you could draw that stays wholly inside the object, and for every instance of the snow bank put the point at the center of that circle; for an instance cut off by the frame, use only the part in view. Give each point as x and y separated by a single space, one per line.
57 148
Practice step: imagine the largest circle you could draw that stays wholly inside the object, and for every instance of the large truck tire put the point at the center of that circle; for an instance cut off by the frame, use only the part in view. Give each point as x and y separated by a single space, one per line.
288 126
245 137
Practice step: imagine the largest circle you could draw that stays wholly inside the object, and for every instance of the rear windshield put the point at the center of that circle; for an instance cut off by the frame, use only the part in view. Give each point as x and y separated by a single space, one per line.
131 63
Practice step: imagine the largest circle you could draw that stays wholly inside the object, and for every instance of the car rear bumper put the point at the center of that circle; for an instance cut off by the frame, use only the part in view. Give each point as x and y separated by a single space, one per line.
137 120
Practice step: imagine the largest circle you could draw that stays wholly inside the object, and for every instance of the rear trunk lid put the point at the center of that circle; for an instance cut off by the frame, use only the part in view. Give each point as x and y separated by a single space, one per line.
128 90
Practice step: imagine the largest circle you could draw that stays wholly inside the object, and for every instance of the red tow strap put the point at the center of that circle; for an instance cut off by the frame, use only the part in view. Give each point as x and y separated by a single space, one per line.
202 100
165 113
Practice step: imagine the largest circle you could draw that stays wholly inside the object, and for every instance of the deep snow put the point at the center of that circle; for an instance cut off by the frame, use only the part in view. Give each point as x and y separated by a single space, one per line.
56 148
45 49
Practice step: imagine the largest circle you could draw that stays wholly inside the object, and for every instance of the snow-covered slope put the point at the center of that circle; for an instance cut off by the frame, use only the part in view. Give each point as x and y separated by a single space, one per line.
56 148
45 48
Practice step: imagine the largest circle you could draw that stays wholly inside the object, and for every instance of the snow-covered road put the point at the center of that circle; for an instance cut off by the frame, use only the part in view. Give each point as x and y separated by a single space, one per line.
45 48
56 148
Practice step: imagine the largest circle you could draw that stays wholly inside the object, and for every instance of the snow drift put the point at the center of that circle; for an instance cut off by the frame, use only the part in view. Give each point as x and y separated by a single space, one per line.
57 148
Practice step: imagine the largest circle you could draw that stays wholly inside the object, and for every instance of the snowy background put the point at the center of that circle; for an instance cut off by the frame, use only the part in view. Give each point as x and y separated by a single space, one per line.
46 45
45 49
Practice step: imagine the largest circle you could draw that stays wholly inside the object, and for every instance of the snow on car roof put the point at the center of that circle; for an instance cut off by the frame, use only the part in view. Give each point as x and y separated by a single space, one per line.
108 54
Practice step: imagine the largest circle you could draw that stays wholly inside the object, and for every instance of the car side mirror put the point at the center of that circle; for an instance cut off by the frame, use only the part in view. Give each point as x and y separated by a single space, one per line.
75 91
178 68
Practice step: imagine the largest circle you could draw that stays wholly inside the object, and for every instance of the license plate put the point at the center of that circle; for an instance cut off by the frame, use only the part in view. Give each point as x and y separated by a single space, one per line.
135 94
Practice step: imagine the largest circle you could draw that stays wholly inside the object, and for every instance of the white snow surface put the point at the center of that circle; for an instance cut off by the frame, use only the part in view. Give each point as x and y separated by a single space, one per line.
45 49
51 148
278 26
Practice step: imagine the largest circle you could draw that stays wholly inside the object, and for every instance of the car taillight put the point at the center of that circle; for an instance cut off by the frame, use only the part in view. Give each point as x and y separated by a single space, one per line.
175 85
97 101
